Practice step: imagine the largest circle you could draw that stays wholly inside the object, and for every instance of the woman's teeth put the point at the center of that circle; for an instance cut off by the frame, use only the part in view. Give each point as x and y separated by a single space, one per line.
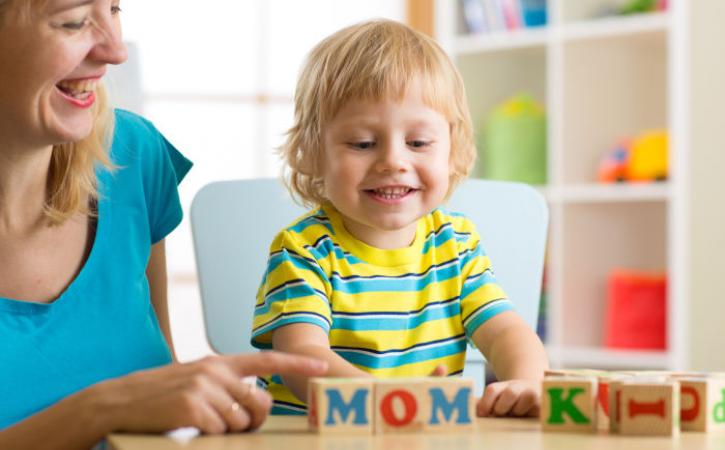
81 88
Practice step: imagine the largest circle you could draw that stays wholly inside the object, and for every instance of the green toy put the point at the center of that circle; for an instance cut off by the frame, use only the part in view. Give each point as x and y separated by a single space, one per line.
638 6
514 142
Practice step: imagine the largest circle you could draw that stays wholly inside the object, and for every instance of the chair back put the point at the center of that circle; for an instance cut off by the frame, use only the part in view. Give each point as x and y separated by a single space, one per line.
234 222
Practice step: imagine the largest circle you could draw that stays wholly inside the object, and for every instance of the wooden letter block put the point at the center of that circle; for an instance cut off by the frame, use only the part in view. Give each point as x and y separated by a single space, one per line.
649 407
569 404
340 405
702 404
604 400
400 405
615 405
450 404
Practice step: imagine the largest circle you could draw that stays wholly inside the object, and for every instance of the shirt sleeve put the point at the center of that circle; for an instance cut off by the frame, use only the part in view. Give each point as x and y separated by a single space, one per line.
294 289
481 296
163 170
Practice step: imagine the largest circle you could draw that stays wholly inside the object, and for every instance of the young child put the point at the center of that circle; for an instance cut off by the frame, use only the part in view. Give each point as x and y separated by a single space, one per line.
377 280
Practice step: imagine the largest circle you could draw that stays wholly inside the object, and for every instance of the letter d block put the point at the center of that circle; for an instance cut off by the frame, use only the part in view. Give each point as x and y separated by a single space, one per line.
569 404
649 408
702 404
340 405
450 404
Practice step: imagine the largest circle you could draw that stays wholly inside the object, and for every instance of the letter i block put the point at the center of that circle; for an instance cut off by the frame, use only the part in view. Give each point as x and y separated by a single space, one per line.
649 408
401 404
702 404
569 404
340 405
450 404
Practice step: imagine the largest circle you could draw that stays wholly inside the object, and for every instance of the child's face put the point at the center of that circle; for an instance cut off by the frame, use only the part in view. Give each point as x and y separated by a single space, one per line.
385 165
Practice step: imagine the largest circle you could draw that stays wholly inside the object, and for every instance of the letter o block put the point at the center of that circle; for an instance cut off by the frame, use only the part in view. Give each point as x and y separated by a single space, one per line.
400 405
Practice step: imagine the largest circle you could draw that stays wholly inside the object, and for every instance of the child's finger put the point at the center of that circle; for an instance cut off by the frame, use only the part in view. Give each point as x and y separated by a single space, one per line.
506 401
485 404
440 371
527 401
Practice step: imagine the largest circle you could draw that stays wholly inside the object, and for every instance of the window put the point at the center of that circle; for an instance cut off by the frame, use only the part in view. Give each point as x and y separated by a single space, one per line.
217 78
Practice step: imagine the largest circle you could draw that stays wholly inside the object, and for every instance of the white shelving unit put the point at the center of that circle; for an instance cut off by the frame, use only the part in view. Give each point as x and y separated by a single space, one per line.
601 79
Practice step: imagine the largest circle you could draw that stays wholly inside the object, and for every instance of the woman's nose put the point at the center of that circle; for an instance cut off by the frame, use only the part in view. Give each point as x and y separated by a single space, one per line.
110 48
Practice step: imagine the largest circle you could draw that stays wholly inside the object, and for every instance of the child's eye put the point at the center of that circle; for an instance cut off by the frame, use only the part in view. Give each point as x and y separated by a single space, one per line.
75 26
362 145
418 143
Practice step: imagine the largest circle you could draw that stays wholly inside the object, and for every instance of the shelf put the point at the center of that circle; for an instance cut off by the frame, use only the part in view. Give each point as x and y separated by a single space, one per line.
601 193
616 26
601 358
501 40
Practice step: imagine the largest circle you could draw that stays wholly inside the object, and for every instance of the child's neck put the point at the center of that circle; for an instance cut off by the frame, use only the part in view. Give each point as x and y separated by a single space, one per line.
382 239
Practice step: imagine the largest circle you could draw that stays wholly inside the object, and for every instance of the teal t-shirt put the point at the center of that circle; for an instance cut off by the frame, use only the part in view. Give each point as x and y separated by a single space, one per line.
103 325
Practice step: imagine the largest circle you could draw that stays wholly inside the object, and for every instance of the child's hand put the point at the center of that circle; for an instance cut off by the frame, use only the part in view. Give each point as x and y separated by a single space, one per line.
440 371
510 398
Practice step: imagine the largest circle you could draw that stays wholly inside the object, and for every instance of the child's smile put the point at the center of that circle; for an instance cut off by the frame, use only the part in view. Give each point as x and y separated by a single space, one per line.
385 165
391 195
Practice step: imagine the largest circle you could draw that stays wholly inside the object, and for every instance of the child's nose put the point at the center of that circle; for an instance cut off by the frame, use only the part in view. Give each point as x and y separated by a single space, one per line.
392 159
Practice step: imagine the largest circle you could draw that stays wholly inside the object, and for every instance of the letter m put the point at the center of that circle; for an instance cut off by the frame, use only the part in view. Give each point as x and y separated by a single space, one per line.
356 406
460 403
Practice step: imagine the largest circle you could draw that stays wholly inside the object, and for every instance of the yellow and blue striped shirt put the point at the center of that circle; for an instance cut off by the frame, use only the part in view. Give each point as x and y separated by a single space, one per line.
391 313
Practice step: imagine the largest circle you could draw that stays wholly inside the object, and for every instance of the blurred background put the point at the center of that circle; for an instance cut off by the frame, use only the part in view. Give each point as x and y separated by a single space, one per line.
612 108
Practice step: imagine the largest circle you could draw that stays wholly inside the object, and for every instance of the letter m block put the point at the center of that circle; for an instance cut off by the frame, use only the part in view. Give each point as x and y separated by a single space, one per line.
340 405
568 403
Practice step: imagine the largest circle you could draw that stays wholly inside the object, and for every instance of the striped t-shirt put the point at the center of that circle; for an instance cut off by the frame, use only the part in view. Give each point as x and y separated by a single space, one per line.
391 313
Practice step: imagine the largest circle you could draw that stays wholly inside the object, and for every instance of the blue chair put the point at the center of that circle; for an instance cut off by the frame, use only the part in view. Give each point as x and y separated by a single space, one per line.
232 242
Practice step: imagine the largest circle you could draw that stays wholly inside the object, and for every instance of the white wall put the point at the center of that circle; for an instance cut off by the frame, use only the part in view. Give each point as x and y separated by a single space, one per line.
707 184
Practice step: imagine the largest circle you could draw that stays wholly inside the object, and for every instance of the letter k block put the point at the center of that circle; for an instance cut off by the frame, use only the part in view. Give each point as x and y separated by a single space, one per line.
569 404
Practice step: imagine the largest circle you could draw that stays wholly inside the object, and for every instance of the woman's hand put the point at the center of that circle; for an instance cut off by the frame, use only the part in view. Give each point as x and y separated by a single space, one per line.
208 394
511 398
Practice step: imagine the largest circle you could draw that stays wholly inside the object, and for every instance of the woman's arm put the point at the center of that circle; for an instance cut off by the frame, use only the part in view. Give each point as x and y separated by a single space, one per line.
208 394
518 359
310 340
158 287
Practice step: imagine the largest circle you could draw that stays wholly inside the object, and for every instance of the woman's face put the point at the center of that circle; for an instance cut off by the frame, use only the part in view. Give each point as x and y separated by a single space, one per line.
51 62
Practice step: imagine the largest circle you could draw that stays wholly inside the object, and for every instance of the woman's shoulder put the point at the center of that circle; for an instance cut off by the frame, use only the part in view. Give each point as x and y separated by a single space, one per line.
137 142
133 134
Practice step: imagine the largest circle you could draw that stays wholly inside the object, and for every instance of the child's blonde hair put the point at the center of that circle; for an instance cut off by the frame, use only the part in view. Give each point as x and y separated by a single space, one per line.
372 60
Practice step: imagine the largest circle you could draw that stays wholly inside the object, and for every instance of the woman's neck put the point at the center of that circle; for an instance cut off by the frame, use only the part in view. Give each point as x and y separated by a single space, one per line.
23 181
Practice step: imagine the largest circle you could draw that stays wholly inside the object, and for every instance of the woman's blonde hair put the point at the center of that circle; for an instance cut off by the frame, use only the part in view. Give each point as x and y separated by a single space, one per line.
372 60
72 183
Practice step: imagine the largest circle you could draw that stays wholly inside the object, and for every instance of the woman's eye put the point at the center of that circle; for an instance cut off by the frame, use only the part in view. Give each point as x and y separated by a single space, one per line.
363 145
77 25
115 9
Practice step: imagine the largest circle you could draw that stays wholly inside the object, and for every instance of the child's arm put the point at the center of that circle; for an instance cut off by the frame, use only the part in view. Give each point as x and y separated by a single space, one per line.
310 340
517 357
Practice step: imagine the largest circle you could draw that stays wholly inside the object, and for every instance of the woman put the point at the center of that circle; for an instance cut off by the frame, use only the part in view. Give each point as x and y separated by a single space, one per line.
84 334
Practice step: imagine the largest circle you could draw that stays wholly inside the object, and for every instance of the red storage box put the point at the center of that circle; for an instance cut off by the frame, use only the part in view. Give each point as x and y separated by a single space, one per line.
636 316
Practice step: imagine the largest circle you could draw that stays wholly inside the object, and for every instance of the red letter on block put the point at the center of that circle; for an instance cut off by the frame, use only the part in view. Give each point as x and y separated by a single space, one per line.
409 403
688 415
638 409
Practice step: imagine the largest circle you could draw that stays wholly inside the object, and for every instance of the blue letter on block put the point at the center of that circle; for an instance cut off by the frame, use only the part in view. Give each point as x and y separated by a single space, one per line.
460 402
357 402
